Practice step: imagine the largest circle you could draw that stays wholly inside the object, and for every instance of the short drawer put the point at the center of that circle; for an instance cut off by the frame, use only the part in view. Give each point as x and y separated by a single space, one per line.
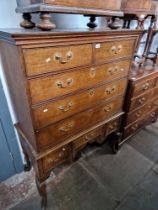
51 59
138 113
142 87
56 133
45 88
112 126
131 129
141 100
87 138
56 157
113 49
60 109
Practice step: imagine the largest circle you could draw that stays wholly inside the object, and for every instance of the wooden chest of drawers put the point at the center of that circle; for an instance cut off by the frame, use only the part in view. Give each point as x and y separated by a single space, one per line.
141 101
67 89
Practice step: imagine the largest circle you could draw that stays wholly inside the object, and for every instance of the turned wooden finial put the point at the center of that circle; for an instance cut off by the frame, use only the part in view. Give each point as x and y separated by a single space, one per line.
92 23
45 24
27 23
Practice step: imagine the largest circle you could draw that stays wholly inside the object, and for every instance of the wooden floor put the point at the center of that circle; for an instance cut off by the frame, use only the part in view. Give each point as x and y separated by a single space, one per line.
99 180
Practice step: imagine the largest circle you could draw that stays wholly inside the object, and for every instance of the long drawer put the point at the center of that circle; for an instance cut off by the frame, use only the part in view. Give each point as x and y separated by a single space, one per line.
141 100
138 113
56 133
113 49
142 111
142 87
132 128
48 87
51 59
60 109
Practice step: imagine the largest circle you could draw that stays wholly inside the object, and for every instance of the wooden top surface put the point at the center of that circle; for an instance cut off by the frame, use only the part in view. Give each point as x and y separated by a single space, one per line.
21 36
139 73
27 32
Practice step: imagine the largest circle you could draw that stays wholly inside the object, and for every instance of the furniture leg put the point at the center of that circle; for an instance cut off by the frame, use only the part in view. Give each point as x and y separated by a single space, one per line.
27 23
27 165
46 24
42 192
114 141
92 23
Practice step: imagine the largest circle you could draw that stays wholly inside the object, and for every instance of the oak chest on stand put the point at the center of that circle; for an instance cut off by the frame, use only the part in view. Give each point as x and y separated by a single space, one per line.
67 88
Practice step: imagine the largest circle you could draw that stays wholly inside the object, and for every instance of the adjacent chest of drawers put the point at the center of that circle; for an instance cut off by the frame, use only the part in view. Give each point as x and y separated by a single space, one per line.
141 102
67 89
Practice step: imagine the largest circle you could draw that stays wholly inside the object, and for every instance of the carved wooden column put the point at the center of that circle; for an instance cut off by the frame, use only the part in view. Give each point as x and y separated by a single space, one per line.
27 23
46 24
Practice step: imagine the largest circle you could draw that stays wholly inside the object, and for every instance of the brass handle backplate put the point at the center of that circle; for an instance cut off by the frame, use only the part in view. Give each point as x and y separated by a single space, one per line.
114 70
59 57
135 127
153 114
145 86
110 90
66 109
142 100
116 49
66 84
108 108
67 127
156 103
89 136
138 114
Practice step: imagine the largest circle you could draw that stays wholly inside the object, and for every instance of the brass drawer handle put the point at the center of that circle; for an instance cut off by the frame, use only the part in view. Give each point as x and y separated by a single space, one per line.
112 126
91 92
53 161
89 136
156 103
134 127
146 86
108 108
92 72
115 70
116 49
153 114
138 114
142 100
110 90
64 85
67 127
66 109
58 57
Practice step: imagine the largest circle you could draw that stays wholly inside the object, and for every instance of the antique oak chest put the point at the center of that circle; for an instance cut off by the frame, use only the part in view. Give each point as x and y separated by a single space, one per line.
67 88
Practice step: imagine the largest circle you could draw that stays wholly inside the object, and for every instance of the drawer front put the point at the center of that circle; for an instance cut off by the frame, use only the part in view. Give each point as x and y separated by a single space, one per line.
112 126
156 91
41 60
130 130
113 49
46 88
143 87
87 138
141 100
104 4
58 110
56 157
57 133
139 113
155 103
